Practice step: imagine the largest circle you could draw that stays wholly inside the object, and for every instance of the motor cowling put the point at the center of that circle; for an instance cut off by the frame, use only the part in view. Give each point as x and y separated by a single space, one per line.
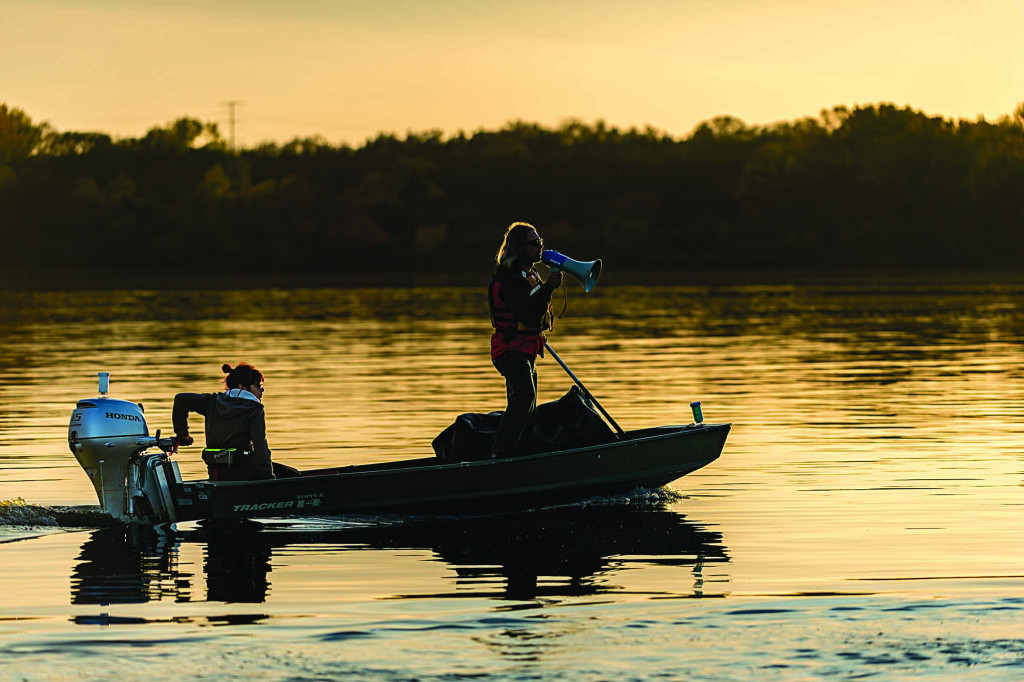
104 434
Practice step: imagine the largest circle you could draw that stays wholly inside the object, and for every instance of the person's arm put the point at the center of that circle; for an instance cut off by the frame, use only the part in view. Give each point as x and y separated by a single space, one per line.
185 403
258 436
528 304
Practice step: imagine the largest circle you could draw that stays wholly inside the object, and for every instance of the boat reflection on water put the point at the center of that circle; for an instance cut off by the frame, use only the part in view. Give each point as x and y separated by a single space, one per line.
567 552
574 551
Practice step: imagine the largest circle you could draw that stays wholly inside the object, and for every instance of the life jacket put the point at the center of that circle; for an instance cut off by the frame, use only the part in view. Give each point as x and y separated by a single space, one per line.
511 333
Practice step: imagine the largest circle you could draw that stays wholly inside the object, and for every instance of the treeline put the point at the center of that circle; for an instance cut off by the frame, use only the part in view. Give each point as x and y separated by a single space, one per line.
869 187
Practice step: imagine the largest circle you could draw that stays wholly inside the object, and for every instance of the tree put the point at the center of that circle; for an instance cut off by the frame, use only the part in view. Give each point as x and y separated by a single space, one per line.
182 135
19 138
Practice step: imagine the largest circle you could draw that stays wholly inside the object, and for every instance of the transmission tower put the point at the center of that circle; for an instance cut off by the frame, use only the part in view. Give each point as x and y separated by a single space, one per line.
231 104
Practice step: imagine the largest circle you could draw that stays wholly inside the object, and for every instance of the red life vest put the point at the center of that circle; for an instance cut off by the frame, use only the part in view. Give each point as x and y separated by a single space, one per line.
511 333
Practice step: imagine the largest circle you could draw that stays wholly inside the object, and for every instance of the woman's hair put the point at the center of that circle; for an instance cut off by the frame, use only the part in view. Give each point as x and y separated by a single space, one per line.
243 374
512 245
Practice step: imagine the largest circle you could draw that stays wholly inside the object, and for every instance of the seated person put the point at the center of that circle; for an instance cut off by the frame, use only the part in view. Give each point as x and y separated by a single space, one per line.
234 421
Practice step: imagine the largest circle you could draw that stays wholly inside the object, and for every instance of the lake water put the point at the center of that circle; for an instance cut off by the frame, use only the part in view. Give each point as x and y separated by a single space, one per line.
865 518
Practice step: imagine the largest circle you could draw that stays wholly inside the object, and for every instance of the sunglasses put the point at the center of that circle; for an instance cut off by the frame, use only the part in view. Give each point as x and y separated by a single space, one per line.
536 242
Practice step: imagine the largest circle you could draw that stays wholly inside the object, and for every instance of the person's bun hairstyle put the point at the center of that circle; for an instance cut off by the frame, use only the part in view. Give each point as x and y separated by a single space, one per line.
243 375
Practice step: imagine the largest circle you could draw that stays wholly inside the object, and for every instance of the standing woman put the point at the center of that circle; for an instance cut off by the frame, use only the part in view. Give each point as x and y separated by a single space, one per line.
520 305
236 422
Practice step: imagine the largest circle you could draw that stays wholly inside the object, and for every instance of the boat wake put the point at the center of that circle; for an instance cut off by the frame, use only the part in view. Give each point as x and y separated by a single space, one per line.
642 497
21 514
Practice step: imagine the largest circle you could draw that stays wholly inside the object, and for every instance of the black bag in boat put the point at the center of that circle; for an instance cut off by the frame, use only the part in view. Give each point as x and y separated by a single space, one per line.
563 424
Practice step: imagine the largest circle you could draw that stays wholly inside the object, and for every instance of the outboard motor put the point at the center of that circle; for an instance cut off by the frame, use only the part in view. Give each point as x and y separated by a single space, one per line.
108 437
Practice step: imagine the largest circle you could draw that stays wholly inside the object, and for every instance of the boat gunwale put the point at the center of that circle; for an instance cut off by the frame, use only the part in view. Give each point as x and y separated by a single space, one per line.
348 472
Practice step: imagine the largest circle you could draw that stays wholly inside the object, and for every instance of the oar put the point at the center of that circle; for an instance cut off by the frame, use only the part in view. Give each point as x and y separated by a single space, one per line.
586 392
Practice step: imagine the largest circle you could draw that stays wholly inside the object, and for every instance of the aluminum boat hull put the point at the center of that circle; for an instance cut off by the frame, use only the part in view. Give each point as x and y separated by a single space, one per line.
644 458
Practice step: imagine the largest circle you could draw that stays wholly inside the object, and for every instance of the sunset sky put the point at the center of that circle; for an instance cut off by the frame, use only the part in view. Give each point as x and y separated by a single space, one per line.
348 70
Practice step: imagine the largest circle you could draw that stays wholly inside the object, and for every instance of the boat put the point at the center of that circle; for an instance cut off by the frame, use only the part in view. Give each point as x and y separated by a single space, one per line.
137 480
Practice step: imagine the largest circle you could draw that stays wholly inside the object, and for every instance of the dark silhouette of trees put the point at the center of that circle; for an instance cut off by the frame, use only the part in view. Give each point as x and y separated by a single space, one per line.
872 187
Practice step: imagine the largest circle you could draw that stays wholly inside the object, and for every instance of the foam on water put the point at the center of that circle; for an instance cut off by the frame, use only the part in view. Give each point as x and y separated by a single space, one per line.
19 513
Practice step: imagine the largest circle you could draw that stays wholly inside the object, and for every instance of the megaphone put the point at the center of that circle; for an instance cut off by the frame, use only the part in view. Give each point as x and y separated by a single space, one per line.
586 272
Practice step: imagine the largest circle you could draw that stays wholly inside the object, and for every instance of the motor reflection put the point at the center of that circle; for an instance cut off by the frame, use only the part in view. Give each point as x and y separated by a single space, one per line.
129 565
567 552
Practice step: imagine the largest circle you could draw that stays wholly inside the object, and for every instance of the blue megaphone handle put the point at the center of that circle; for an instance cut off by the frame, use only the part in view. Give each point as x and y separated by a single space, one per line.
553 259
586 273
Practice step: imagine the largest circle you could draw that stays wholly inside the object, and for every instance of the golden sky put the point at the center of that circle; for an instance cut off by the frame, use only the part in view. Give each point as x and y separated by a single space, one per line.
347 70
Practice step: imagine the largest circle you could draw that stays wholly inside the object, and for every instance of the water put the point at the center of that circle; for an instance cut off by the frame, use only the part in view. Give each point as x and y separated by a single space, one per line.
863 521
